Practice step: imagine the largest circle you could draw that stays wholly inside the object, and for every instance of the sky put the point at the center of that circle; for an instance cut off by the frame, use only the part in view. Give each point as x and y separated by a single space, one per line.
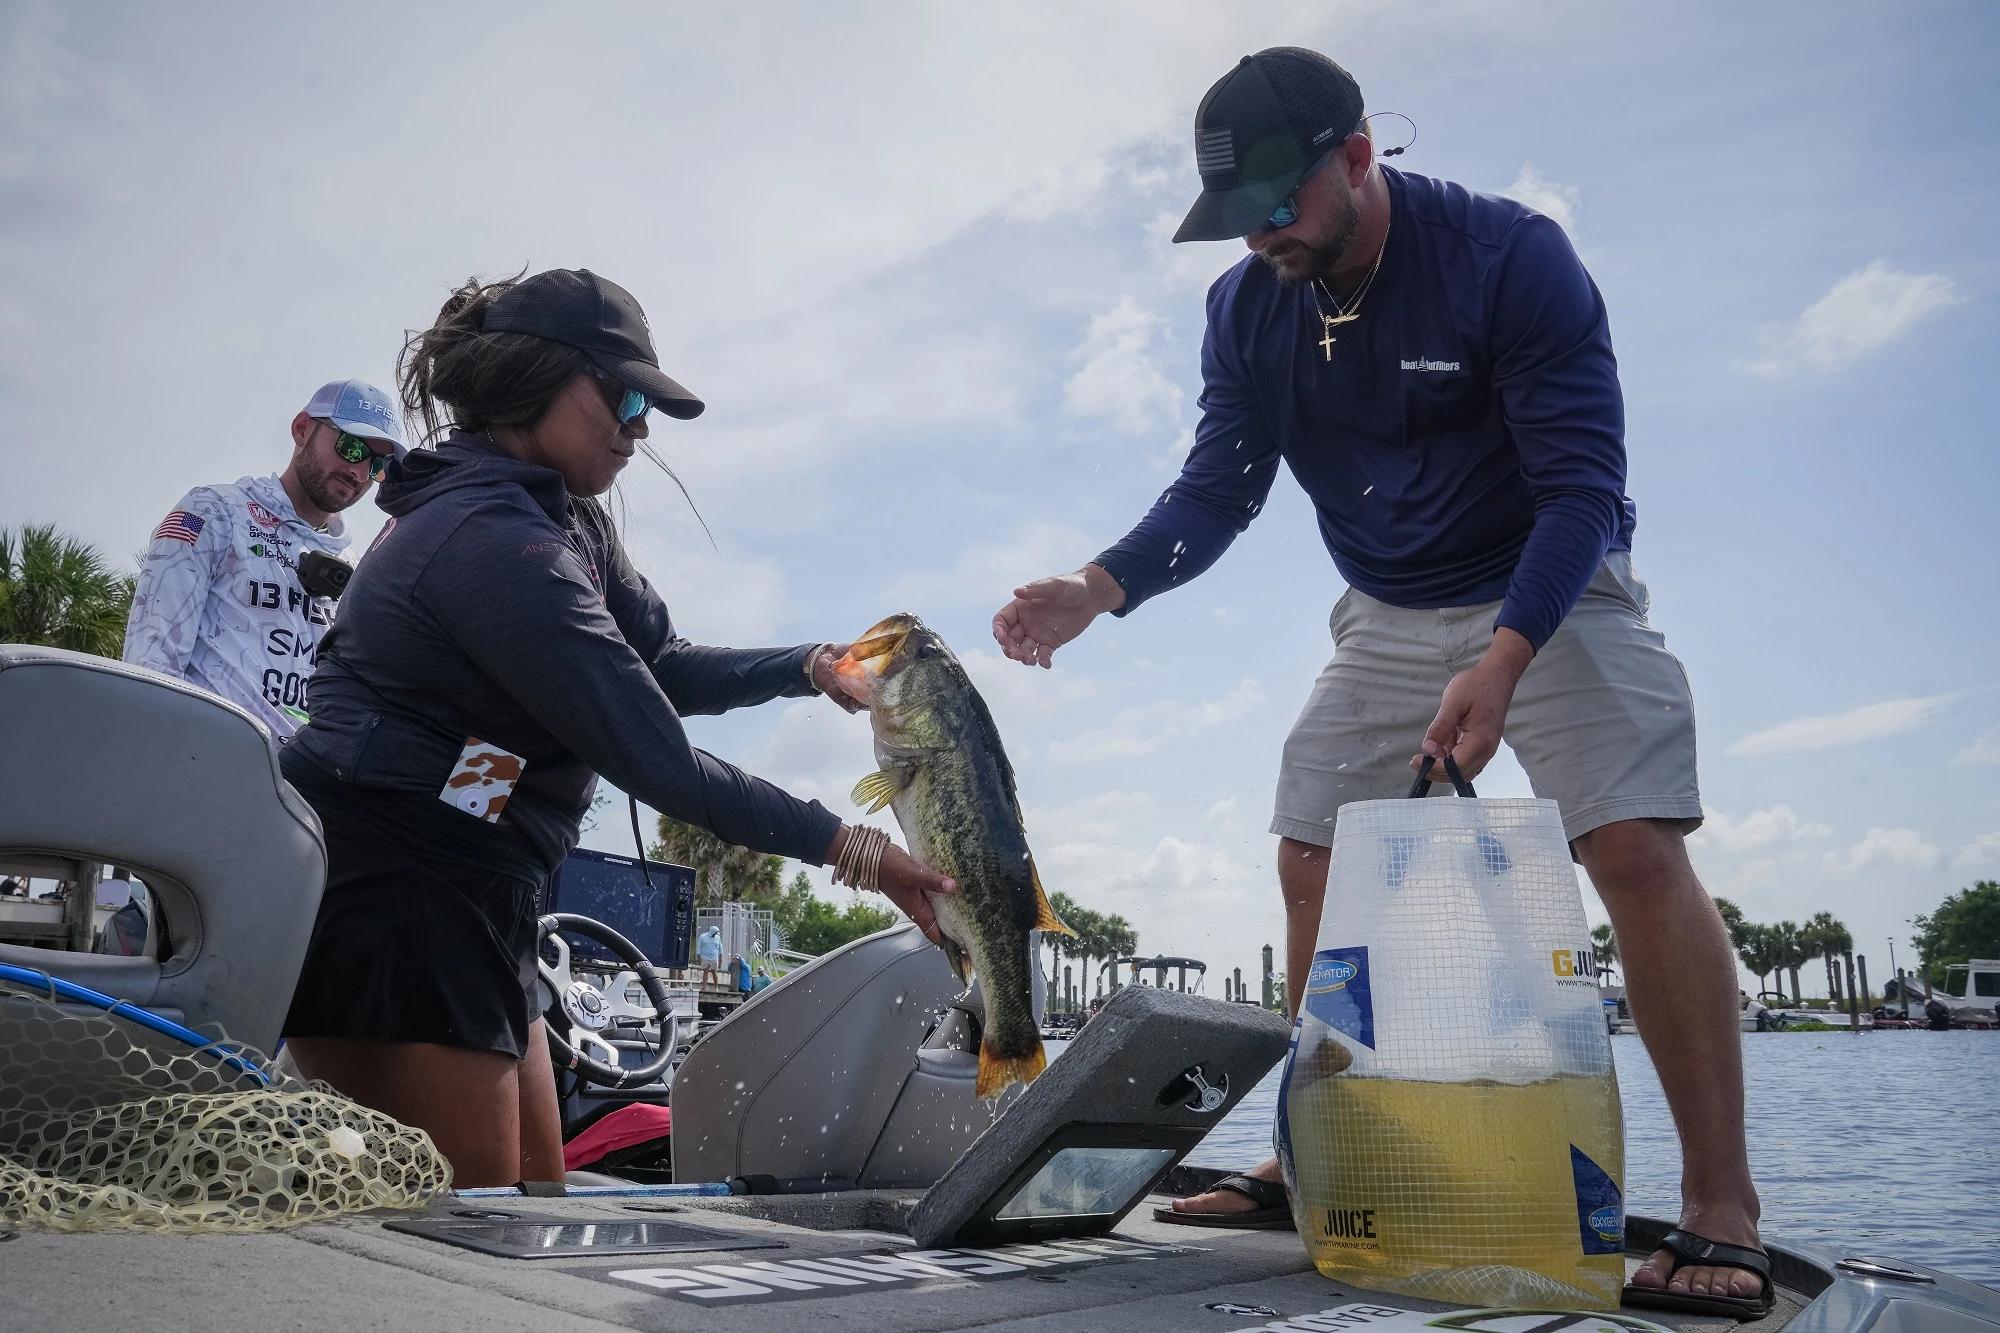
916 259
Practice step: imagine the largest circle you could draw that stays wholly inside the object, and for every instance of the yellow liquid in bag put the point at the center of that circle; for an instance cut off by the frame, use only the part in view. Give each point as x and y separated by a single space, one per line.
1463 1192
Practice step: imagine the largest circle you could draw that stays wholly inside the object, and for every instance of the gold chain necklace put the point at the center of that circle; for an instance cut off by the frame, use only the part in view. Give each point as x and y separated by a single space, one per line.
1351 311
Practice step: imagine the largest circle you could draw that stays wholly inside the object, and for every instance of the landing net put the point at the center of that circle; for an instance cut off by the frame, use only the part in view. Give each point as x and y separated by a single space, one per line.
109 1125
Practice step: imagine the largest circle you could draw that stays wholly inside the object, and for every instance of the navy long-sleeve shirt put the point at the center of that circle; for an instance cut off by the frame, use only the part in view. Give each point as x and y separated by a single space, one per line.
1464 443
494 606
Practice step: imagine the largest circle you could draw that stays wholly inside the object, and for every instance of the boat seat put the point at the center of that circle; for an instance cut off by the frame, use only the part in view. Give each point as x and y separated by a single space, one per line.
856 1070
112 763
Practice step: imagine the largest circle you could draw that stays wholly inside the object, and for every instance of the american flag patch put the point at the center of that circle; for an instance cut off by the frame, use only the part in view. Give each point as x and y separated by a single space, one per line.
1214 151
180 526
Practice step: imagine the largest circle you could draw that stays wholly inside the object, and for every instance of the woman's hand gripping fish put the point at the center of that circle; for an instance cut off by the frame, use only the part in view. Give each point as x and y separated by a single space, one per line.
942 769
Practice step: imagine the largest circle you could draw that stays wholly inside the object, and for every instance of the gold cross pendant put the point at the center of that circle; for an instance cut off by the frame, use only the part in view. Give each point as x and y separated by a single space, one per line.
1326 343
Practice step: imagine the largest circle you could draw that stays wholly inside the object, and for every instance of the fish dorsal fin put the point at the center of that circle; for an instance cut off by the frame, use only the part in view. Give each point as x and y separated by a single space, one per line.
1045 915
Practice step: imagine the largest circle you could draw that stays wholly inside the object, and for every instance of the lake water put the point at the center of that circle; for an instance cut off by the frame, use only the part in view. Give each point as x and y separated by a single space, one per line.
1887 1143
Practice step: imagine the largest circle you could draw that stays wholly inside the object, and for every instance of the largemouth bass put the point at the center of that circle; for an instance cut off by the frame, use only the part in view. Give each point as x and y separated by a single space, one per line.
941 767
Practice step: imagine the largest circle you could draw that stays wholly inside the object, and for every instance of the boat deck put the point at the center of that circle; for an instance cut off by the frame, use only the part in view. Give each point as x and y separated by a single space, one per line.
357 1274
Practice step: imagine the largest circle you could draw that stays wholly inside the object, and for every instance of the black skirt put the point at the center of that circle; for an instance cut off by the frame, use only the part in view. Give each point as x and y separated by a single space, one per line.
414 941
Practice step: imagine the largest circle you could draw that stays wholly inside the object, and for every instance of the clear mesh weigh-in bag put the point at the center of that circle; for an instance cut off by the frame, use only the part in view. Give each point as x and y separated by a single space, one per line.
107 1126
1449 1122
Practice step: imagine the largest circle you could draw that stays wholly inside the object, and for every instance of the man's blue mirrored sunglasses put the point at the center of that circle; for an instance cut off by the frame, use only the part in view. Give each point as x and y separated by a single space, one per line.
1287 212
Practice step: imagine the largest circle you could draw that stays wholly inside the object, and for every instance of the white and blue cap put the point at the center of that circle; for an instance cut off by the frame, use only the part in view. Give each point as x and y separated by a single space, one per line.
359 408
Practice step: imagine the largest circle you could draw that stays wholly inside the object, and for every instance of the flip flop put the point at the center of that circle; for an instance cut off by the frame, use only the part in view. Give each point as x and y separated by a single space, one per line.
1689 1248
1272 1213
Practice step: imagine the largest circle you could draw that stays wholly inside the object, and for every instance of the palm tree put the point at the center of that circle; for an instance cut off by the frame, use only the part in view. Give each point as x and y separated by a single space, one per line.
1825 938
1759 952
58 592
1119 937
717 865
1604 941
1791 951
1066 910
1733 922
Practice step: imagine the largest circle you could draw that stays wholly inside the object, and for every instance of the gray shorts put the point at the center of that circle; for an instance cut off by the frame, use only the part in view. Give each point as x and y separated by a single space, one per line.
1603 720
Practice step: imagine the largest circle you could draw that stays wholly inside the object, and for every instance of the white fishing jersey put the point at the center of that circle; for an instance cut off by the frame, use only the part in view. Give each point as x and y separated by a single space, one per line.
219 603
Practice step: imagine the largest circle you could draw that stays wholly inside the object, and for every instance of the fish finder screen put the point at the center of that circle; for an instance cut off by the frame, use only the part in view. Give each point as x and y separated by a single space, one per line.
612 889
1086 1182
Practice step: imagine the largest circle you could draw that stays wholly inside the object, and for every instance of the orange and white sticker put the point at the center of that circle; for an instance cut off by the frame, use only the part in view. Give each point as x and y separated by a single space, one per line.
482 780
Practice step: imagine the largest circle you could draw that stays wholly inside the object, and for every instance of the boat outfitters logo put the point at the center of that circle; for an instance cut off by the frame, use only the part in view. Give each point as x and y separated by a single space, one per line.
798 1279
1425 363
1330 974
1574 967
1343 1317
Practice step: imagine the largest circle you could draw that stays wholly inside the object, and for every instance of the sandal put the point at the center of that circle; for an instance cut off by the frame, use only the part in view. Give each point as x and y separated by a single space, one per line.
1272 1213
1689 1248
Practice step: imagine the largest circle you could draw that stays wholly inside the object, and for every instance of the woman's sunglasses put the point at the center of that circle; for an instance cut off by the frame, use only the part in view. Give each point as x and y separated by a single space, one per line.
628 405
354 449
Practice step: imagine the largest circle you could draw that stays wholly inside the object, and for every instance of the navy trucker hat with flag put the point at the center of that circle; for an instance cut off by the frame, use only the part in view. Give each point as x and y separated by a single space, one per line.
599 318
1258 130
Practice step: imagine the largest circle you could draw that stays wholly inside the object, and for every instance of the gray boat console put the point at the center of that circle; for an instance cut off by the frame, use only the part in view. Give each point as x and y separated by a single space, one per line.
856 1070
114 764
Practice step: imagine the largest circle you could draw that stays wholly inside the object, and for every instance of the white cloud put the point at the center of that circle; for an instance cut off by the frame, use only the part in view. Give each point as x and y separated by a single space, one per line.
1189 268
1985 750
1134 732
1885 847
1982 852
1870 722
714 597
1175 454
1554 201
1759 828
1865 311
989 571
1748 880
817 752
1017 693
1120 379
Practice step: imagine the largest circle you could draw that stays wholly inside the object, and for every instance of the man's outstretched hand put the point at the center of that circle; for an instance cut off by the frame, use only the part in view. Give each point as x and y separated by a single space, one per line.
1048 613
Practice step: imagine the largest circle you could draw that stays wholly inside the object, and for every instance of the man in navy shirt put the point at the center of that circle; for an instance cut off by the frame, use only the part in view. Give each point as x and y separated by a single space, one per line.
1435 368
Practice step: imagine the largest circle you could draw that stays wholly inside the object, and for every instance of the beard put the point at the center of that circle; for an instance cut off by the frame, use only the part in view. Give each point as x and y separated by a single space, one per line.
1300 260
329 491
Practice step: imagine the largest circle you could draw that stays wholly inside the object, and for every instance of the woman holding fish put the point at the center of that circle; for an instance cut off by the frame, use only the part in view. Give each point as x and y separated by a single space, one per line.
494 653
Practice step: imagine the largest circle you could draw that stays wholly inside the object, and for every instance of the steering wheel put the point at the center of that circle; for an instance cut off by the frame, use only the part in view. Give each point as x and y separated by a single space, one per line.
577 1013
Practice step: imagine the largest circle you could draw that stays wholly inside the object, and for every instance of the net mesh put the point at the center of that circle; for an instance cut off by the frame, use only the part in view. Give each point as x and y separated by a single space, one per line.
107 1126
1451 1124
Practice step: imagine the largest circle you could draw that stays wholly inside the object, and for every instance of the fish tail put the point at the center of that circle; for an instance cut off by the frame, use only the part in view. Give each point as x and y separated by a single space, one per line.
996 1071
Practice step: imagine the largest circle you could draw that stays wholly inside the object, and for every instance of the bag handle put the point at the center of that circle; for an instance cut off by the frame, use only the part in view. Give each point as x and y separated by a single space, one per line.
1422 786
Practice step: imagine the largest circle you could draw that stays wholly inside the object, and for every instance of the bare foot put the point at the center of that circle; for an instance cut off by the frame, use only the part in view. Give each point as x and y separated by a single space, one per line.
1229 1201
1733 1226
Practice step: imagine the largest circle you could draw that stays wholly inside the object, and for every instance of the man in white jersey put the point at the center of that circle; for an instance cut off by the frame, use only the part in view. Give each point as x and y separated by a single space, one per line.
220 603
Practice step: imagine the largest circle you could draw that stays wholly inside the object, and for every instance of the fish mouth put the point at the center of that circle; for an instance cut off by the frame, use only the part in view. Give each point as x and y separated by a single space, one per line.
868 658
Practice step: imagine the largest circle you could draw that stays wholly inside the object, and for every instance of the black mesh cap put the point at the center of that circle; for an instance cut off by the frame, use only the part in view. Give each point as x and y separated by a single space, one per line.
599 318
1258 129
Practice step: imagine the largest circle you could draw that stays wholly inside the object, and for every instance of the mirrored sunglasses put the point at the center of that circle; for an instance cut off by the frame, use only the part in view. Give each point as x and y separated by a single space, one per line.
354 449
628 405
1287 211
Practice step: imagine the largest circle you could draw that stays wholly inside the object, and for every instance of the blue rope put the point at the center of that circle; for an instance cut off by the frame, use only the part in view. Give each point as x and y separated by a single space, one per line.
226 1051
